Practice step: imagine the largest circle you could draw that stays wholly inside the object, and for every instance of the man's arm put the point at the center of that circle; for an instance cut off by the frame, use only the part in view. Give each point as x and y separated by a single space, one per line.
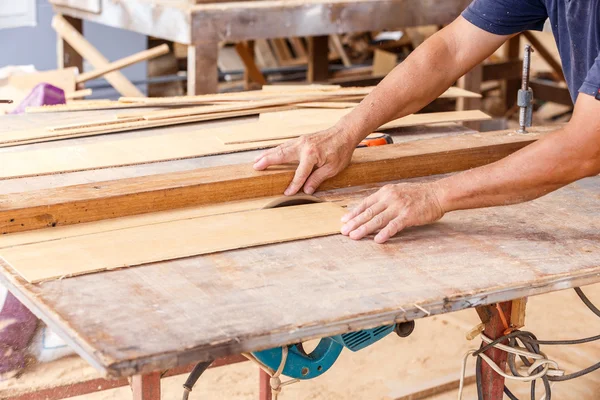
566 155
420 79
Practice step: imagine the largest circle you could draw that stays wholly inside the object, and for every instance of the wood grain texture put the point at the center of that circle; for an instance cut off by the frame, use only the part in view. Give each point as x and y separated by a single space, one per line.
268 296
92 202
169 240
295 124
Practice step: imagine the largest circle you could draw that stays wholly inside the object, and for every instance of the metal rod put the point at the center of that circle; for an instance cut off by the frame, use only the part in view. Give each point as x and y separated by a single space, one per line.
526 66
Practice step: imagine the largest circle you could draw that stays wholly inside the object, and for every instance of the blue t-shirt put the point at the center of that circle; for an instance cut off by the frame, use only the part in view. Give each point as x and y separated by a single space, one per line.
574 24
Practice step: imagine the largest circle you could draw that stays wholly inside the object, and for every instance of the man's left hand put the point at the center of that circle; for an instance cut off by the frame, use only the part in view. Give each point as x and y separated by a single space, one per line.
392 209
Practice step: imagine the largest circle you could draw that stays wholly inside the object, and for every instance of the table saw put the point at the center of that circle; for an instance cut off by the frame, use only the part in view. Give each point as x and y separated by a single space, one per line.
220 305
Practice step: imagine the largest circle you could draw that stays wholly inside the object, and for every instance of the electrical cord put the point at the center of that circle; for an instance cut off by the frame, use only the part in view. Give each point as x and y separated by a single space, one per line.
531 346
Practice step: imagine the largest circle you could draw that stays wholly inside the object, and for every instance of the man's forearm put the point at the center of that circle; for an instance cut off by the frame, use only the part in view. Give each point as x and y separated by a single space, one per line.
422 77
532 172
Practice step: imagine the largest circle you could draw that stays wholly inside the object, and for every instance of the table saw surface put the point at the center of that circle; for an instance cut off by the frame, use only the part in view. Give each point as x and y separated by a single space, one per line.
158 316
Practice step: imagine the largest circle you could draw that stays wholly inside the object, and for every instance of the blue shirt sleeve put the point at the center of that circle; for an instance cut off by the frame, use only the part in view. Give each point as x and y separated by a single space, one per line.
506 17
591 84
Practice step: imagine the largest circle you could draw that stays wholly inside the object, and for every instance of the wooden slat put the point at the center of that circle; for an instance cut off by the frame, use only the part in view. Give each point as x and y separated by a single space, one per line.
97 201
89 52
124 62
78 255
292 128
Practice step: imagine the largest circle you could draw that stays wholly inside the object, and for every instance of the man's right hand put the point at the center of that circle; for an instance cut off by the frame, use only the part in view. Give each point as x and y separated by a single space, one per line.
320 156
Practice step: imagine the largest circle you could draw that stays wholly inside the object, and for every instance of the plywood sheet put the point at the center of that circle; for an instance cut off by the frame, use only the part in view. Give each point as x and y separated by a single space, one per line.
171 240
294 124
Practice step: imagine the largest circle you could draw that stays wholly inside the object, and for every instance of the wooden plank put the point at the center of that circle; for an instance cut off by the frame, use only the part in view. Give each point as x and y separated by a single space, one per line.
68 231
251 69
339 47
551 91
318 61
78 255
123 63
203 73
100 127
93 6
383 62
292 128
327 104
66 56
112 199
470 81
502 70
89 52
120 152
78 94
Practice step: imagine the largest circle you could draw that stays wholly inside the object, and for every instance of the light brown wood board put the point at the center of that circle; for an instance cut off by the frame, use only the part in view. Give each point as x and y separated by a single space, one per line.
111 199
121 152
114 224
295 127
383 62
299 88
452 92
327 104
201 110
171 240
78 94
100 127
91 54
124 62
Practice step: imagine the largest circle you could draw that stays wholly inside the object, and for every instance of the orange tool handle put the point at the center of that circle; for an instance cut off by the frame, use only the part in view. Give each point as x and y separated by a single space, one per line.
376 141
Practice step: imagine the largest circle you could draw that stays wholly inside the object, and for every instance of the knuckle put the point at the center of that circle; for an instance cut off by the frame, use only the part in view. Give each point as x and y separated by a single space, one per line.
368 213
378 220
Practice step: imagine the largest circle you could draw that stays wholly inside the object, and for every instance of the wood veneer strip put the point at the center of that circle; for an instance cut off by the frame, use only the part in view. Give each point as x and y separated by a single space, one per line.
294 127
101 127
139 245
112 199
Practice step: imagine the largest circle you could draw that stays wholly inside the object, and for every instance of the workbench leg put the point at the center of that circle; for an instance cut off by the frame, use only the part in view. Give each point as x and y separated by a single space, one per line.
512 86
203 74
264 389
492 383
471 81
146 387
318 59
66 56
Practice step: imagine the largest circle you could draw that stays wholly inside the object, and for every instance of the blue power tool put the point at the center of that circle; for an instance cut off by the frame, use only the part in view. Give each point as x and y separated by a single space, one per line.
300 365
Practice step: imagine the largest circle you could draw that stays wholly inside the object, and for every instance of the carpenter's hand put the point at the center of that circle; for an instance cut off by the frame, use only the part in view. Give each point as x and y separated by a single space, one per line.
393 208
319 155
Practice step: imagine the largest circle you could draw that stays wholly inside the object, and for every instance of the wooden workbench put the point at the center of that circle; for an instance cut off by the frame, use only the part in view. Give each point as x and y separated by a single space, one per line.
136 321
203 24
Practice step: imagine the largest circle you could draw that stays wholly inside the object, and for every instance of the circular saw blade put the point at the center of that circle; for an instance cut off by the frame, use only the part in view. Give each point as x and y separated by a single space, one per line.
296 200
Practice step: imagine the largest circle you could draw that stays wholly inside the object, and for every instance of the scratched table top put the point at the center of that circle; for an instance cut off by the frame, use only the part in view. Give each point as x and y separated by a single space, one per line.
166 314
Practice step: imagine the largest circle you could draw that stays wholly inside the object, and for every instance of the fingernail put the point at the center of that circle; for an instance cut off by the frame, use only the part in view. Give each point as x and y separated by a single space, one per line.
346 218
288 192
345 229
309 190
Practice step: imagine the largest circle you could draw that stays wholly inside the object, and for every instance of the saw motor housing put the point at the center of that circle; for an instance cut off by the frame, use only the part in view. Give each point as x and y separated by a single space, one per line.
300 365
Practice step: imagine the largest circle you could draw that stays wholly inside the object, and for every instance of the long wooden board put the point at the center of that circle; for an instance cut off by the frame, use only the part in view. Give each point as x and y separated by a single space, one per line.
100 127
116 153
112 199
295 127
170 240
